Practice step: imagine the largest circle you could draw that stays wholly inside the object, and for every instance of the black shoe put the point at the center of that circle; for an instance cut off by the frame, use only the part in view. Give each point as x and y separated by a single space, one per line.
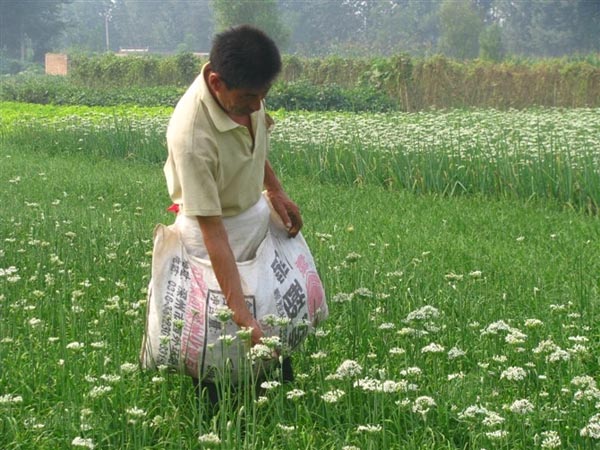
206 392
287 372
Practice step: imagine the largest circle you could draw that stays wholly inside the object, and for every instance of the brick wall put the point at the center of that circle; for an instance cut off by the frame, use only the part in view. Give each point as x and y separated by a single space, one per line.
56 64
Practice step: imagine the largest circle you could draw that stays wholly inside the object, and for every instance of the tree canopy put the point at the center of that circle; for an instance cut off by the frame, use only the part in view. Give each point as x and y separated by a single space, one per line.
29 26
260 13
457 28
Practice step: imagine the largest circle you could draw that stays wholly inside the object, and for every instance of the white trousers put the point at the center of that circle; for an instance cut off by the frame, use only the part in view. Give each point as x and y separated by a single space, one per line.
245 232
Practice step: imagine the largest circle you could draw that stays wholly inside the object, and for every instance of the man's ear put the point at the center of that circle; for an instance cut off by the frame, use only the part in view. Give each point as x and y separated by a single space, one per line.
215 82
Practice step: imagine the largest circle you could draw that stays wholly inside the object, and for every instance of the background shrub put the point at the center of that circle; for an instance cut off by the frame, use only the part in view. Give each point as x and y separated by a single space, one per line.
111 70
301 95
58 90
344 84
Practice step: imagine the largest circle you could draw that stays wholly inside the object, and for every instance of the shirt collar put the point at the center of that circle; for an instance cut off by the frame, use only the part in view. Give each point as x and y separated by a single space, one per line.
222 121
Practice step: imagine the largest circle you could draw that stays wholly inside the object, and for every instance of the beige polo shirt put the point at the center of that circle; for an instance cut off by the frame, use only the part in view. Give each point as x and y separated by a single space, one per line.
213 167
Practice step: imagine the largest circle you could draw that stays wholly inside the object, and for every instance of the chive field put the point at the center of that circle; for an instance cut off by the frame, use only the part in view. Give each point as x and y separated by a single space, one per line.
458 250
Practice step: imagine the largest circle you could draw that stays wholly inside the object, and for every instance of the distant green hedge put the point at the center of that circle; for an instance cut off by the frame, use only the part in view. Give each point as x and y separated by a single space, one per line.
58 90
302 95
110 70
333 83
9 66
412 84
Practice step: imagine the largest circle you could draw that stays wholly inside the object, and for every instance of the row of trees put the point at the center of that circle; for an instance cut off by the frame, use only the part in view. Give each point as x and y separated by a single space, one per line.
458 28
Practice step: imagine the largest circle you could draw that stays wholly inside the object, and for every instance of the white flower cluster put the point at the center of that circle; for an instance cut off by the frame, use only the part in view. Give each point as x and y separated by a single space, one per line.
496 435
584 381
550 439
129 367
295 394
75 345
433 348
514 374
488 418
260 352
83 442
369 429
347 369
222 313
8 271
342 297
362 292
497 327
269 385
209 439
521 406
588 389
286 428
397 351
558 355
456 352
10 398
533 323
422 405
136 412
99 391
411 372
333 396
387 386
546 346
592 429
273 342
427 312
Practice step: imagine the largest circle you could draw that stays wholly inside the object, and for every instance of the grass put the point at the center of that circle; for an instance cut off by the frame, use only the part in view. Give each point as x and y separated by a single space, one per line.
451 310
531 154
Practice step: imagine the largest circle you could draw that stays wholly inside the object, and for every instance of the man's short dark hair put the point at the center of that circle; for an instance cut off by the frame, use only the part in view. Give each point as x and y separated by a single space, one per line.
245 57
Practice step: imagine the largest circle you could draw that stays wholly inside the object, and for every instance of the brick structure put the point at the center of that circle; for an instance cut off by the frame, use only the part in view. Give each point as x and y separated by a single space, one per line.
57 64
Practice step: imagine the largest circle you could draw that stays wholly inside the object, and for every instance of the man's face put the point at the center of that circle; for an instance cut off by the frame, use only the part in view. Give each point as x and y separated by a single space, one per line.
239 101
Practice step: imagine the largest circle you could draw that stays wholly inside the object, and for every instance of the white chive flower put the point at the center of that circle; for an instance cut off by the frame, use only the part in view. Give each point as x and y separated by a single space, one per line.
83 442
348 369
522 406
332 396
209 439
422 405
514 374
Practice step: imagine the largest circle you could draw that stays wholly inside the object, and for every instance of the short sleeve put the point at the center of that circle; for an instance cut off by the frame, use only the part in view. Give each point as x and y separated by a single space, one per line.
196 166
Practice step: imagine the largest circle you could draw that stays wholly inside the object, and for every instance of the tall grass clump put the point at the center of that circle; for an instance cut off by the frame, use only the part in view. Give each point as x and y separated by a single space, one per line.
548 153
131 133
539 153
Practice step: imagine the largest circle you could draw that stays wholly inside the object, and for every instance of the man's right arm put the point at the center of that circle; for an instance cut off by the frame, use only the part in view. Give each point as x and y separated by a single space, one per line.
223 263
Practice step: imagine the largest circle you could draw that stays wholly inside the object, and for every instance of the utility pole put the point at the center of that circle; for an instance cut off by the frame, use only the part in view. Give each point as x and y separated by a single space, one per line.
22 39
106 32
107 14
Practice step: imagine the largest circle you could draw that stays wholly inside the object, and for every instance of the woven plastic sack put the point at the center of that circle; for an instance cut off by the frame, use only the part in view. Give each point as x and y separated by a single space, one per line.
282 288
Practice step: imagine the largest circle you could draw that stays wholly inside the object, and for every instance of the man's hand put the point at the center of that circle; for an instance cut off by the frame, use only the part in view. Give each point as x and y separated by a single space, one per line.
244 319
226 271
287 210
283 206
257 333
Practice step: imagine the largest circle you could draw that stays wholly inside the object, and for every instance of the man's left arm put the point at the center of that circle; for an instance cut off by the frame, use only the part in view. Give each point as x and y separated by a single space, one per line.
282 204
